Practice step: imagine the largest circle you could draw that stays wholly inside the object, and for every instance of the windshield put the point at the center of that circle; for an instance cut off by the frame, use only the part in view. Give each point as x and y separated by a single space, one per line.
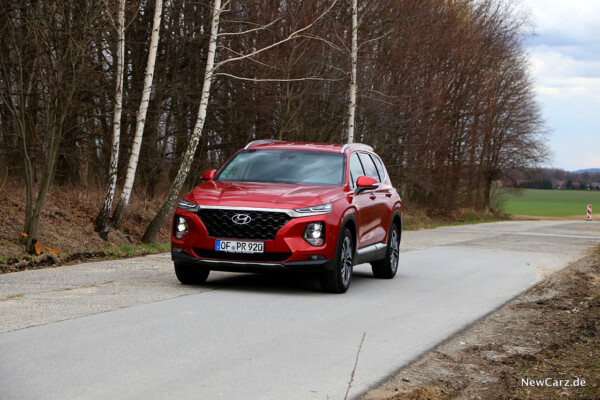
285 166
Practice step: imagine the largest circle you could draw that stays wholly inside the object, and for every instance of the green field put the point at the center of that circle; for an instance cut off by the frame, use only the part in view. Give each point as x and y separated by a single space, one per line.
549 203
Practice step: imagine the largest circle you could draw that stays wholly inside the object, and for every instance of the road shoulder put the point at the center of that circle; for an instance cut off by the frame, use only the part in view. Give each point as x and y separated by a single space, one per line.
550 333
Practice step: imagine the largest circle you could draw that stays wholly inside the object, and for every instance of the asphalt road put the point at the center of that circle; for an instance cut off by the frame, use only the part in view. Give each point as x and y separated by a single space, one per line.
128 330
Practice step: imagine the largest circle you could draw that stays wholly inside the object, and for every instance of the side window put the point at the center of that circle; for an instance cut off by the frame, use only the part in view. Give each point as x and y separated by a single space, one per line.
356 169
379 165
370 169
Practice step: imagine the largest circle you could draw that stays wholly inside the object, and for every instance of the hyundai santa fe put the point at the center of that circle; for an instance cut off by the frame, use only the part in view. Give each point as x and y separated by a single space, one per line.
291 206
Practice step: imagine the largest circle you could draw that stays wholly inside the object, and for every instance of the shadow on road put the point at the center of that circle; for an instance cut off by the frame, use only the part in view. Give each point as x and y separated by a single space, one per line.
288 283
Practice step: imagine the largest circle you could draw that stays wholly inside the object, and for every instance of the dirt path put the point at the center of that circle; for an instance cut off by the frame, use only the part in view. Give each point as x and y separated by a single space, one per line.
528 349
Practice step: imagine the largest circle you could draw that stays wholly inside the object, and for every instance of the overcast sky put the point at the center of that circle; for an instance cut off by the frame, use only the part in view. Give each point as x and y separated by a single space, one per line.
565 64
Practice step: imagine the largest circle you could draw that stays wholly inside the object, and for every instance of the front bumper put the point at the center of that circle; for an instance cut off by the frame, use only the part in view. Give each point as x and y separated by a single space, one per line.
251 266
287 251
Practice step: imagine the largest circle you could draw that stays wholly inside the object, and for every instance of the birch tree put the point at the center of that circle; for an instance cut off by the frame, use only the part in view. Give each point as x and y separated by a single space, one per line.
154 227
354 61
210 71
102 223
119 213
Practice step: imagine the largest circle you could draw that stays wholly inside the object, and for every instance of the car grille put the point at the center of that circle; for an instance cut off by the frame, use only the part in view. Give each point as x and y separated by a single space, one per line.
263 225
221 255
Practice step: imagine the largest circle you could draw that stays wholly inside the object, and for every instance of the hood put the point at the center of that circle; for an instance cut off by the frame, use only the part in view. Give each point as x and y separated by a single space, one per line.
252 194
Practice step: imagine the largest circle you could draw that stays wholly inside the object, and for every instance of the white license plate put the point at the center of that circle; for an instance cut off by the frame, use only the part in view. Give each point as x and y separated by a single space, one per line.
236 246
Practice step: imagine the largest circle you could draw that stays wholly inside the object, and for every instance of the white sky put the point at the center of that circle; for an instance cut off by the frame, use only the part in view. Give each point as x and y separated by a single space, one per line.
565 64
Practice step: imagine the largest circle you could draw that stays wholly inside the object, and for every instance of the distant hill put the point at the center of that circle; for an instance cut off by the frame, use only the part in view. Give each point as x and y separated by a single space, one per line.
587 171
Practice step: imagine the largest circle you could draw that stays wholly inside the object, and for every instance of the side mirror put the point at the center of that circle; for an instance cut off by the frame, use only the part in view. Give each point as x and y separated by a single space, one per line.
365 183
209 175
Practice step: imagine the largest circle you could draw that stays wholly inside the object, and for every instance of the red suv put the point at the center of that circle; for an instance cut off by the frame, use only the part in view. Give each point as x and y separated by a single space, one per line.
297 206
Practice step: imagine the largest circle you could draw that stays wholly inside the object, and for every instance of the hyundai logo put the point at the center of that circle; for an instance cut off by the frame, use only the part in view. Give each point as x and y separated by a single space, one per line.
241 219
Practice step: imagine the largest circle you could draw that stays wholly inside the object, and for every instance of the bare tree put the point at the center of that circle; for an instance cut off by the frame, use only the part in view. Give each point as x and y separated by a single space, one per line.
157 222
152 231
444 95
42 70
354 61
119 213
102 223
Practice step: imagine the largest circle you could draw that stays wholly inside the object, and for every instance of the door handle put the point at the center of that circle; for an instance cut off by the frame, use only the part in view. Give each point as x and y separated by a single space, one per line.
388 195
372 197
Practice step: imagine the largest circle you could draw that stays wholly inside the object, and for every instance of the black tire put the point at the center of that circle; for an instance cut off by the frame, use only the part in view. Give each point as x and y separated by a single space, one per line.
339 278
191 274
388 266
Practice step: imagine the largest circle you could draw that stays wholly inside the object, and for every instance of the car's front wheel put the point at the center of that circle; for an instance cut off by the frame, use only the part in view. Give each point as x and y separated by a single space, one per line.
388 266
191 274
338 279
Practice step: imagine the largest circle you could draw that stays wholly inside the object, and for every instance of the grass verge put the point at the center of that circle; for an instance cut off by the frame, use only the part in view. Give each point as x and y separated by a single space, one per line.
22 263
419 219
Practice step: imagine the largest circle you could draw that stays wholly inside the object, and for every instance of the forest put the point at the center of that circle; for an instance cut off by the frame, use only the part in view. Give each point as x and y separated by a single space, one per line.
113 94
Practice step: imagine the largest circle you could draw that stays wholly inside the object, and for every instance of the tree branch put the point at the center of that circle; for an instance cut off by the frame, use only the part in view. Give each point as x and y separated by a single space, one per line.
250 58
287 39
306 78
376 38
328 42
260 28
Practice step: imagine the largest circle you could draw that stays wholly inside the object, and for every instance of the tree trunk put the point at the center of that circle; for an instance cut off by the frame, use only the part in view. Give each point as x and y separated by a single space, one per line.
57 123
119 213
165 210
34 221
102 223
354 58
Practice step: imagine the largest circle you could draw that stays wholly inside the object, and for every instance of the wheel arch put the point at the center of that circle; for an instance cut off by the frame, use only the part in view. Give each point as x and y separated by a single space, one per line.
397 220
349 222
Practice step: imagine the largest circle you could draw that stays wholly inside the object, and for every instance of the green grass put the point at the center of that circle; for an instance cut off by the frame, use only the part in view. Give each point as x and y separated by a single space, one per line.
130 251
124 251
549 203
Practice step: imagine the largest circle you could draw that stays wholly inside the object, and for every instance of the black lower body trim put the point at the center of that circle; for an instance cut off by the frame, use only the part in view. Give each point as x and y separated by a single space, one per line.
256 257
251 266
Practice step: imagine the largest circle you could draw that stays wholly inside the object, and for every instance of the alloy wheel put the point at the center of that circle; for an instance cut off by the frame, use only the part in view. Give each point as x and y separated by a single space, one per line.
394 250
346 261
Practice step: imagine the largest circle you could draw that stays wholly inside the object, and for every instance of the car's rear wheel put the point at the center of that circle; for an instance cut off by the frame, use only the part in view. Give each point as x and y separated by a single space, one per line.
191 274
338 279
388 266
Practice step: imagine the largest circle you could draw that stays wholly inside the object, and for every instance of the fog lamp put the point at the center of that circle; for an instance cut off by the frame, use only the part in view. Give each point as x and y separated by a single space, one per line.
180 227
314 234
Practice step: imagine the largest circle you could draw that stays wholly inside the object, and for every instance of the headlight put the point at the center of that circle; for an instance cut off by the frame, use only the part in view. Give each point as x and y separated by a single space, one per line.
314 234
180 228
187 206
315 210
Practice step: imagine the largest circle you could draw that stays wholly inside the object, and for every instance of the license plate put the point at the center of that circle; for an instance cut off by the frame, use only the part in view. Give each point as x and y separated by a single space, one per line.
236 246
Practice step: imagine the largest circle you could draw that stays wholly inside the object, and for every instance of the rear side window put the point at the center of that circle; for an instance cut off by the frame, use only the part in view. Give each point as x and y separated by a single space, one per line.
369 166
356 169
379 165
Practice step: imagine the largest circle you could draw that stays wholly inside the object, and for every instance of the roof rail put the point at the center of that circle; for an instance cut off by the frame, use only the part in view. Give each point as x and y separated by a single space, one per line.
263 141
366 146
